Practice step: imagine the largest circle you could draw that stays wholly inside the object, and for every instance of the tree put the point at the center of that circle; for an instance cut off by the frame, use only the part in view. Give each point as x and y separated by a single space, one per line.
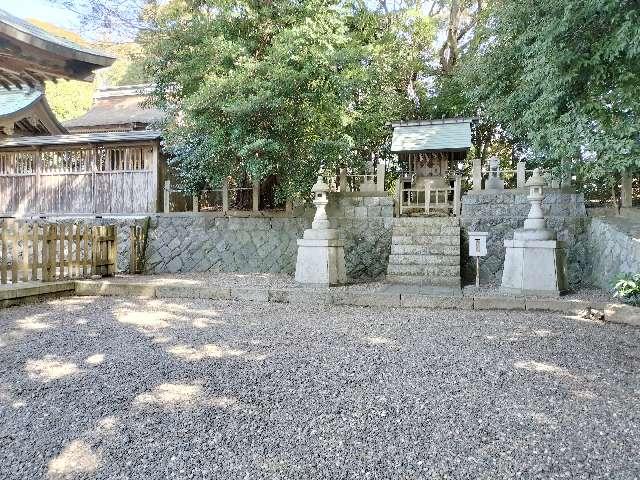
281 88
561 77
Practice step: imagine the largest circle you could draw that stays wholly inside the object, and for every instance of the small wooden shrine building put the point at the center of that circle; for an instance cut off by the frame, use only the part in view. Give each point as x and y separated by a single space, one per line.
429 152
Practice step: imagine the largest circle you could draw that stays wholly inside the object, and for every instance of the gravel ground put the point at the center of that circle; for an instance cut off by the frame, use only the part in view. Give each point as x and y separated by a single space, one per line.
145 389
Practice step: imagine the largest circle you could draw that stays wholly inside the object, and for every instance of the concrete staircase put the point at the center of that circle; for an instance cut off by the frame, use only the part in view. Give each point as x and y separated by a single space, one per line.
425 252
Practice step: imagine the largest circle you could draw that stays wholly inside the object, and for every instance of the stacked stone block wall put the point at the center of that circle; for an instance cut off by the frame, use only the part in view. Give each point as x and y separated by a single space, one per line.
612 249
199 243
501 214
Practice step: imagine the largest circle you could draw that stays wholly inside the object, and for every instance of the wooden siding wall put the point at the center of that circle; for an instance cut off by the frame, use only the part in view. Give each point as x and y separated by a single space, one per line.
93 179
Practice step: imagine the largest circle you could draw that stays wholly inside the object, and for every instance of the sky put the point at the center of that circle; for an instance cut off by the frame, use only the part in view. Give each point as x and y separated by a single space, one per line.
41 10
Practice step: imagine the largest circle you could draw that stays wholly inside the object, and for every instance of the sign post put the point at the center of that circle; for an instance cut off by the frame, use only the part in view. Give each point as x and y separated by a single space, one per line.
478 248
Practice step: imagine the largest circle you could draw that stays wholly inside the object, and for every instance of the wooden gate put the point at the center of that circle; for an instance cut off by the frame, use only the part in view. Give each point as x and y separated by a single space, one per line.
29 251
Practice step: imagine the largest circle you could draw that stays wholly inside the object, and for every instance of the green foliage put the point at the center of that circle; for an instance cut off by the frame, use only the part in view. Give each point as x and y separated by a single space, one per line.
627 287
281 88
69 98
561 77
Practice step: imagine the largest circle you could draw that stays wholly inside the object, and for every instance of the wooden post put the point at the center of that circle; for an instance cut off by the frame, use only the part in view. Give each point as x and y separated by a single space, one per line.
94 249
399 185
627 189
255 198
112 250
52 238
77 246
3 240
457 193
25 252
14 251
342 180
521 175
427 197
61 240
133 253
476 173
85 251
35 244
37 168
380 171
167 196
225 195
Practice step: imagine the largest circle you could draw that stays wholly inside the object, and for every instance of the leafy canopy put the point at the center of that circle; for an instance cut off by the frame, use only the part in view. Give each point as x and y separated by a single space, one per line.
282 88
562 78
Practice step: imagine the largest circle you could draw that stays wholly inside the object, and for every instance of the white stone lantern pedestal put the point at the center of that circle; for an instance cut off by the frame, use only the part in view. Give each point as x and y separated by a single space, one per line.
321 251
535 261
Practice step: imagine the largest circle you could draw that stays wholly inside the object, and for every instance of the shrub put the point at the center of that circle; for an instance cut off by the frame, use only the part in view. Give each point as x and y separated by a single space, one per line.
627 288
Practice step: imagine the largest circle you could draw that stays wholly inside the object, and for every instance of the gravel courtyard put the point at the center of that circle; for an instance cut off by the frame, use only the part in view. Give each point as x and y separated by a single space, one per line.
145 389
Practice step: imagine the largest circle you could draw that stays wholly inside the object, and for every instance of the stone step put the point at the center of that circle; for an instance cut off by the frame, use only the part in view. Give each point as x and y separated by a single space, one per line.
426 230
411 249
425 239
415 221
428 270
447 281
424 259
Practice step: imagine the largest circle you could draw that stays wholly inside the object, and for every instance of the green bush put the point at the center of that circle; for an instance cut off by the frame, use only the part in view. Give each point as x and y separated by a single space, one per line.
627 288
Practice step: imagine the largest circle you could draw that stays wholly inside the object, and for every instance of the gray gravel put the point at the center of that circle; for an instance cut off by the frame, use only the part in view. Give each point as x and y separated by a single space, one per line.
145 389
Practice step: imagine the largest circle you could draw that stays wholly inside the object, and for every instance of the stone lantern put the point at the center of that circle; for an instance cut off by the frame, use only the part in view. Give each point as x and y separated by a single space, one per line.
535 261
321 251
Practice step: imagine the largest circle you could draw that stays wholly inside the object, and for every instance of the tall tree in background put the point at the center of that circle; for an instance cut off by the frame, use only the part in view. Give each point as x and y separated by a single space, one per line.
281 88
562 78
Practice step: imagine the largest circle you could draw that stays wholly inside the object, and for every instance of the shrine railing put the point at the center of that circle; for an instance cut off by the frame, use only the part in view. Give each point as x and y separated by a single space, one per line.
430 199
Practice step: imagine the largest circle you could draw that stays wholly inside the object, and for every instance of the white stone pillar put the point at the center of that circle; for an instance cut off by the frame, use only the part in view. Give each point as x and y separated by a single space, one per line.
380 176
521 174
477 174
457 193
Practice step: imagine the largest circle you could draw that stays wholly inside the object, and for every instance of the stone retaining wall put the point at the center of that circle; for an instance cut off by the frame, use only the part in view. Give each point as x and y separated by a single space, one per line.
502 213
199 243
612 250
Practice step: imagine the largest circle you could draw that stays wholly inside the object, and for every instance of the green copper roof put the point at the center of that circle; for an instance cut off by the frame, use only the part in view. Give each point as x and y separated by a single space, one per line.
15 100
31 30
422 135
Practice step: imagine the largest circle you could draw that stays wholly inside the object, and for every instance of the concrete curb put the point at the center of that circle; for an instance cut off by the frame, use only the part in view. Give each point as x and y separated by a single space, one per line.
30 292
316 296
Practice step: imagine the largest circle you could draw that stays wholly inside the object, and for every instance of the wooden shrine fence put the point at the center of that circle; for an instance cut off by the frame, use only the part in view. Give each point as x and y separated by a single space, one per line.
29 251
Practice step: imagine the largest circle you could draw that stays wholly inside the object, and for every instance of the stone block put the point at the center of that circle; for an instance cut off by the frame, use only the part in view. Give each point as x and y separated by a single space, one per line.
250 294
576 307
367 299
106 288
621 313
371 201
498 303
374 212
432 301
304 296
360 212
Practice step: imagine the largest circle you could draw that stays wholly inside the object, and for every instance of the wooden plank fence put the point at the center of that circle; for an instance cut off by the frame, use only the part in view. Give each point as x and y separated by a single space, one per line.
49 252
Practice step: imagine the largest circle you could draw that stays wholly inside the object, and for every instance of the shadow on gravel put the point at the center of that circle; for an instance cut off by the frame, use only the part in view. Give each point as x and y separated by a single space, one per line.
131 388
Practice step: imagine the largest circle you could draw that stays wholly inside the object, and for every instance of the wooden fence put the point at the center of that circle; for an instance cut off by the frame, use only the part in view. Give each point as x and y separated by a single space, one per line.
79 179
51 252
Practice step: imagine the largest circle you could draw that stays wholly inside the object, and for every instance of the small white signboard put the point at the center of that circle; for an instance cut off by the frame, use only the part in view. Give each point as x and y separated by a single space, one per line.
478 244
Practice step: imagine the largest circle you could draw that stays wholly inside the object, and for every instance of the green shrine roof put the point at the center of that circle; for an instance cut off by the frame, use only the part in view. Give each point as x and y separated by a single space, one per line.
424 135
15 100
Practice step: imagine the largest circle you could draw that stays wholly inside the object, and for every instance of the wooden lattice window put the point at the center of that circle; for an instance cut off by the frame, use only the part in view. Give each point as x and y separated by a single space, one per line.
66 161
121 159
17 163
